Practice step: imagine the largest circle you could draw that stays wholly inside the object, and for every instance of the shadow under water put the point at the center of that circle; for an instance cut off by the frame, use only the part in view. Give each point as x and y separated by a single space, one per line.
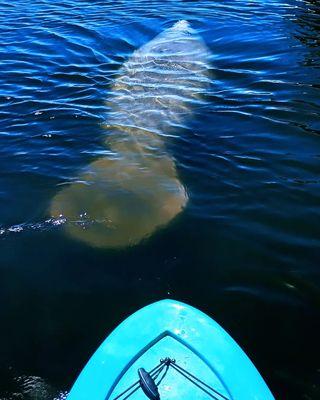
120 200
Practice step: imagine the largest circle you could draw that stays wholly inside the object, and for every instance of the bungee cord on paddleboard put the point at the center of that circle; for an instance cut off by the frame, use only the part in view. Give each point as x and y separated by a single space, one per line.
149 386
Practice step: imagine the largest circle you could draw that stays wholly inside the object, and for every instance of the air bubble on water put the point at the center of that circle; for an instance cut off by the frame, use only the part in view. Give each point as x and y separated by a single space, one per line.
83 221
58 221
16 228
61 396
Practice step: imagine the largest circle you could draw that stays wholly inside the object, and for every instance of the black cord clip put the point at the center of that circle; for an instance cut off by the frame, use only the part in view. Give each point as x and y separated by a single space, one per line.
148 385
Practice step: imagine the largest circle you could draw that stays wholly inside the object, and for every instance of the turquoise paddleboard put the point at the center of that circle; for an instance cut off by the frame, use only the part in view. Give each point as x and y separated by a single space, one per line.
169 350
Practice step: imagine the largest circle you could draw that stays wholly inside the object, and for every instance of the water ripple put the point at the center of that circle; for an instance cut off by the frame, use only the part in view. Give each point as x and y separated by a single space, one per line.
249 159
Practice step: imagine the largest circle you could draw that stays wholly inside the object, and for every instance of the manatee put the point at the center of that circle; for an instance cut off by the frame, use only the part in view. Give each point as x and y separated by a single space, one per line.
121 199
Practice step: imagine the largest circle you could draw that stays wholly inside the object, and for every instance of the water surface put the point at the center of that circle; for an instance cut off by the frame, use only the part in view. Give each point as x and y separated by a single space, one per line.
245 249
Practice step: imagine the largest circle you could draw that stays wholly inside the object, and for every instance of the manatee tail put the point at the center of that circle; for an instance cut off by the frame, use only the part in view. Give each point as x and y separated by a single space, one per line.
118 202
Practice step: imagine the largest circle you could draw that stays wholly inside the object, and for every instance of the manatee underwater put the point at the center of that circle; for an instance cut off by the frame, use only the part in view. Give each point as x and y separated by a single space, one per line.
130 194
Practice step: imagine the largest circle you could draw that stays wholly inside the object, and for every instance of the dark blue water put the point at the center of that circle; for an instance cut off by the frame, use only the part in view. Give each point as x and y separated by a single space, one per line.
246 248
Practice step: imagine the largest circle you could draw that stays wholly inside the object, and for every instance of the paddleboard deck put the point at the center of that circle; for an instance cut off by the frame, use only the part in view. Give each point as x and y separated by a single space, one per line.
190 340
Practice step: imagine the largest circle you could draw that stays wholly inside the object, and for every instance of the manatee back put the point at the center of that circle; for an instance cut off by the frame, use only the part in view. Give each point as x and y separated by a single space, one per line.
162 82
